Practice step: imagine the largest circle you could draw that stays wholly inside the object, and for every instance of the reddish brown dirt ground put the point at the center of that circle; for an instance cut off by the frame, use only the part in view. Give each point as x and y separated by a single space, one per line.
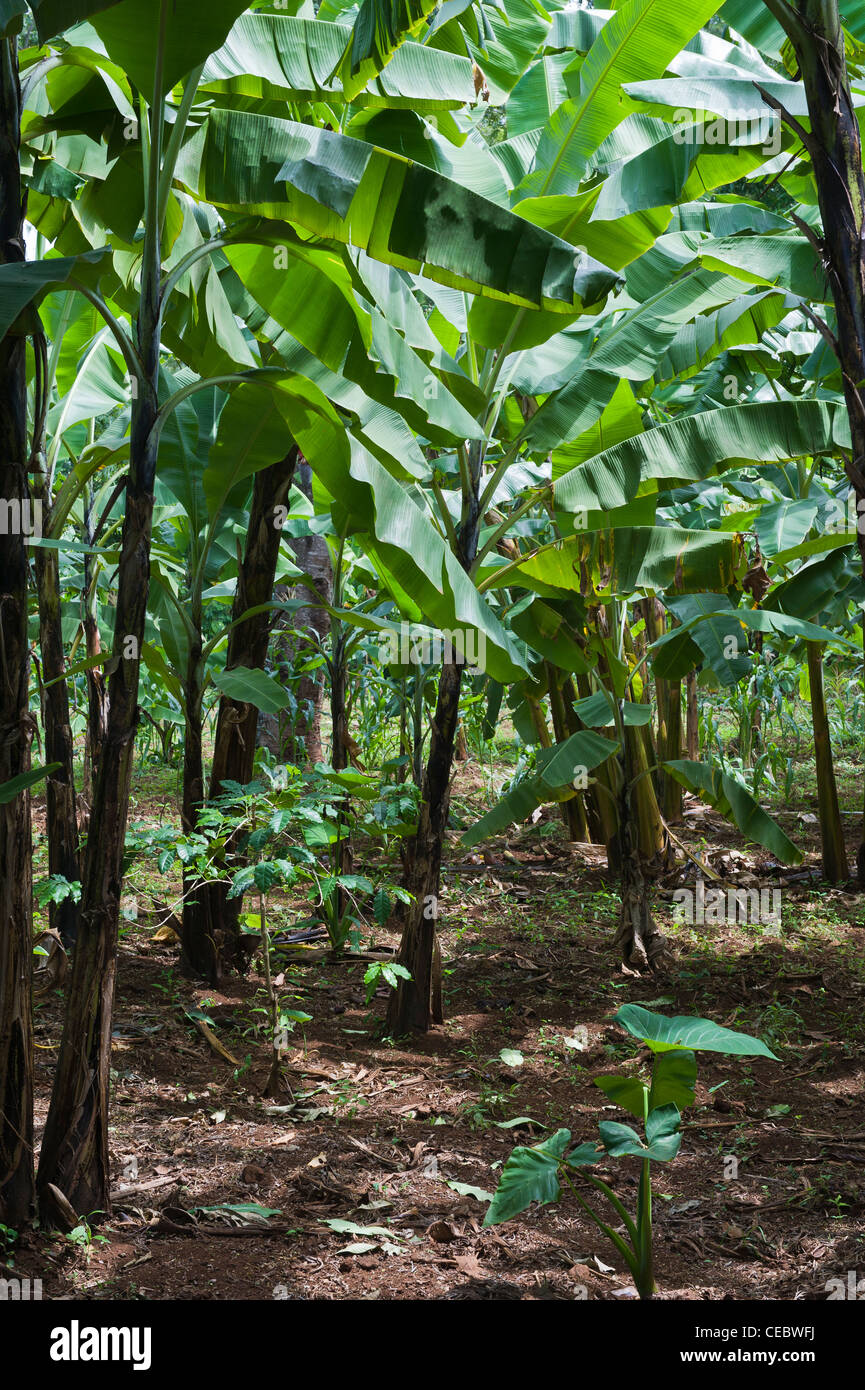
766 1200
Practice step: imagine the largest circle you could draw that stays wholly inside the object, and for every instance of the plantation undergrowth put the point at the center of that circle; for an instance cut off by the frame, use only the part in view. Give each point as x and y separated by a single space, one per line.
376 1173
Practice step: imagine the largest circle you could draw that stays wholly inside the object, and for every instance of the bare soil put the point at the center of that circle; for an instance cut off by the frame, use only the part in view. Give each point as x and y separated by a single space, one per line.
219 1193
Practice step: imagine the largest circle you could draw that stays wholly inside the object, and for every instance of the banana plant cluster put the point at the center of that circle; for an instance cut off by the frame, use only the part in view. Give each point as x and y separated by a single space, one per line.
548 322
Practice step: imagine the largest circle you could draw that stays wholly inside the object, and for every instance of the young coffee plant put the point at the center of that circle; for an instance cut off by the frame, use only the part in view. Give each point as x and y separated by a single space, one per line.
537 1174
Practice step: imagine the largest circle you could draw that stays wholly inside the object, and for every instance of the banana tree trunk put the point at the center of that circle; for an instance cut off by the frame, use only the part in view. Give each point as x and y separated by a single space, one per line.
655 619
198 950
211 931
643 803
641 944
296 737
835 149
75 1147
339 759
573 724
74 1155
671 790
412 1004
601 798
16 923
62 822
338 689
692 734
417 731
573 810
97 692
835 866
757 738
312 555
405 748
539 719
668 695
417 1001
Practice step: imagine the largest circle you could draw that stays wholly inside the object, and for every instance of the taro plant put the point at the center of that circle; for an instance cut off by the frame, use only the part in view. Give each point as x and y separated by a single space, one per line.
537 1174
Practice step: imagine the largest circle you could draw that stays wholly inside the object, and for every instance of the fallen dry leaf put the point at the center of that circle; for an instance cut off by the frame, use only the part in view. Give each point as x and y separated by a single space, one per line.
441 1231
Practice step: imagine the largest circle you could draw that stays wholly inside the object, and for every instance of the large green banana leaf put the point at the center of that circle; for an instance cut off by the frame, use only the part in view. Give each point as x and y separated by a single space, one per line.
651 164
557 769
631 348
504 44
387 405
97 386
722 219
379 29
431 140
253 687
743 320
23 283
713 631
835 540
782 525
312 298
12 14
575 30
381 427
619 420
53 16
618 243
9 790
252 435
183 449
728 795
596 711
755 22
765 621
640 39
399 212
539 92
546 630
305 288
413 558
130 31
709 633
695 446
394 293
270 56
732 97
817 586
72 324
789 262
626 559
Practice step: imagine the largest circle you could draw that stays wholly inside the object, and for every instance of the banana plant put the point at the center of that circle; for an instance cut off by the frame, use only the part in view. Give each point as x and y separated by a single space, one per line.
16 912
207 451
579 396
74 1156
79 377
816 107
564 768
506 361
